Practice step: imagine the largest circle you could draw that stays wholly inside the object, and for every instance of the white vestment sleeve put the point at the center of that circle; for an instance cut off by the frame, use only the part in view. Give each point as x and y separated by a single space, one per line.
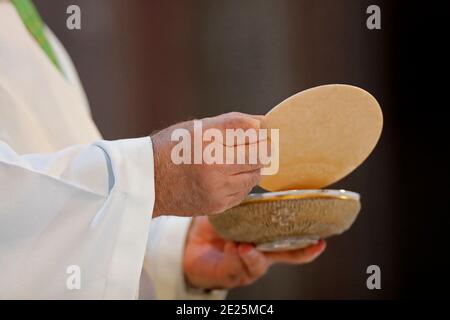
162 275
74 224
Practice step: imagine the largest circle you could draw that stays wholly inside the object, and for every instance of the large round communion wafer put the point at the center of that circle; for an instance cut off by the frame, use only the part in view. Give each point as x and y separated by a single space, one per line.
325 133
288 220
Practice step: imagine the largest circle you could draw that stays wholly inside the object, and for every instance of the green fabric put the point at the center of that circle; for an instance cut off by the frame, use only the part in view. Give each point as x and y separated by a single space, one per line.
32 20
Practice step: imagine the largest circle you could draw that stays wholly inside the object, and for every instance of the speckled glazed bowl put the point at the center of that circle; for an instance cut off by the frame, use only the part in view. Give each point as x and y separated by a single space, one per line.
288 220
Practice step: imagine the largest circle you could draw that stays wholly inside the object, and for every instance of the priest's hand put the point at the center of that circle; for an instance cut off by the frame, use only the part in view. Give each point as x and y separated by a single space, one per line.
213 263
201 189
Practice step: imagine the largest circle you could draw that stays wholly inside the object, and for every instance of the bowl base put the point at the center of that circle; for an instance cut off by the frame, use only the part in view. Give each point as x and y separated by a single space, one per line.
290 243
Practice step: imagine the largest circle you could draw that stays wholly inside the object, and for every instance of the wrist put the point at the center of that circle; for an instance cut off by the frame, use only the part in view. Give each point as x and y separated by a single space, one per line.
157 163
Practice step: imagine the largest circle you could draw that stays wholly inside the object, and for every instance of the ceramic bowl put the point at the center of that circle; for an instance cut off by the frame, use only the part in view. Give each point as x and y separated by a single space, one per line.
288 220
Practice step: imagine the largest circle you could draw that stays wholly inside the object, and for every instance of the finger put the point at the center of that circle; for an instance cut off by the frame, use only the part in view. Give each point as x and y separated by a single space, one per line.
244 187
242 158
231 269
237 169
238 128
260 118
239 120
242 136
232 120
255 262
235 199
243 154
234 160
297 256
244 181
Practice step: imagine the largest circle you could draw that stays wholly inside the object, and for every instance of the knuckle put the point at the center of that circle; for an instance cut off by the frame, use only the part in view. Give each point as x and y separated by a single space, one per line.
235 114
237 120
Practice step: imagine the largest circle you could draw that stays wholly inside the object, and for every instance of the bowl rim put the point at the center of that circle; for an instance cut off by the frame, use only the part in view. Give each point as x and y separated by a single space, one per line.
300 194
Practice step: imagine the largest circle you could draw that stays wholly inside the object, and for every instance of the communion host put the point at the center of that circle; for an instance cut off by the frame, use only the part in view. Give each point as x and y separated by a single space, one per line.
84 218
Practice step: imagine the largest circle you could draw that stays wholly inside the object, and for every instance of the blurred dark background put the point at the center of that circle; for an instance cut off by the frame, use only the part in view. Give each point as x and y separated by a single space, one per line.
148 64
